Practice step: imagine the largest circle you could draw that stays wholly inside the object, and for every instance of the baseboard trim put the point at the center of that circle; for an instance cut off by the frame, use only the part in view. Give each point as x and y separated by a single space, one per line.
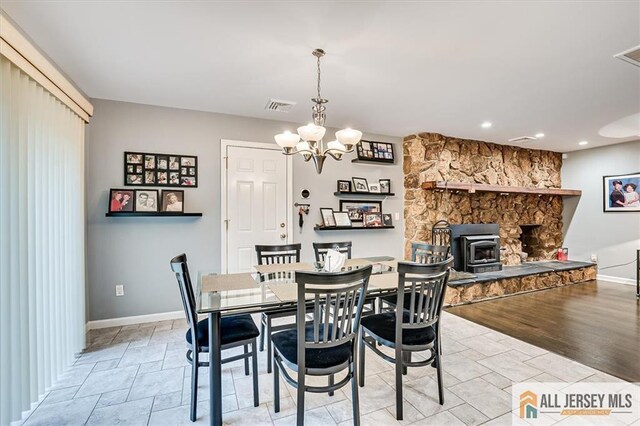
613 279
119 322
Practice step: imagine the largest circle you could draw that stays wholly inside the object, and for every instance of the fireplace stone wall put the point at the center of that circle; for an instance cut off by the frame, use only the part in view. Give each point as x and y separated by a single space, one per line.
432 156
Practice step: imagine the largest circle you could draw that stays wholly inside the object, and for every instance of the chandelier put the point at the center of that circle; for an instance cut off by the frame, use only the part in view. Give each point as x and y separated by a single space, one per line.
309 140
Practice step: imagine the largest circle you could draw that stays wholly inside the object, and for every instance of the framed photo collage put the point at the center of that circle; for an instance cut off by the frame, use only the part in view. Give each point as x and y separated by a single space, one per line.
149 169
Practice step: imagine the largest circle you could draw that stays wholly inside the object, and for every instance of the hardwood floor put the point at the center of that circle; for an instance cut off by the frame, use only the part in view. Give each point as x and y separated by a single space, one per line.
596 323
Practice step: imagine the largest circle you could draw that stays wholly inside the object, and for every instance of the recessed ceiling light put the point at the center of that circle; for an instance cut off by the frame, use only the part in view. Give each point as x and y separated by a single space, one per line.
539 135
583 143
486 124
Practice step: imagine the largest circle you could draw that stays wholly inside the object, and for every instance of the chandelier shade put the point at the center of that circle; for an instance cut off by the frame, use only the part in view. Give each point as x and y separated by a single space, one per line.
309 140
287 139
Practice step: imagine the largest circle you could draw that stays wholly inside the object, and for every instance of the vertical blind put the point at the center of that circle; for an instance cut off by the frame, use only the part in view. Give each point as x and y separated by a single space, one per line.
42 239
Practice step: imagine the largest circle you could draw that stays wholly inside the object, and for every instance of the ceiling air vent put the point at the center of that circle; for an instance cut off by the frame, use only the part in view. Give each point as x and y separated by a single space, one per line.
523 139
281 106
632 56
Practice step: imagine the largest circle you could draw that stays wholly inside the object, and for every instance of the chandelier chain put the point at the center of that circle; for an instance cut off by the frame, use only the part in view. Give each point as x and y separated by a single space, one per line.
319 97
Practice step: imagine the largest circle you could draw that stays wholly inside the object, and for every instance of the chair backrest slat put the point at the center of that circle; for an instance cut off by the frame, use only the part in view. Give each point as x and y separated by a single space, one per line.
424 286
320 249
179 267
338 299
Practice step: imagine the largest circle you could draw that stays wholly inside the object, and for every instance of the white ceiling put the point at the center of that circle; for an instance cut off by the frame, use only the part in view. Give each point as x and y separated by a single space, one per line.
391 68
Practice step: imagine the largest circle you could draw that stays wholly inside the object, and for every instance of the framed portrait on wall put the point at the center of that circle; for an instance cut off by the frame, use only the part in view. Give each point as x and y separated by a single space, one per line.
621 193
120 200
146 200
172 200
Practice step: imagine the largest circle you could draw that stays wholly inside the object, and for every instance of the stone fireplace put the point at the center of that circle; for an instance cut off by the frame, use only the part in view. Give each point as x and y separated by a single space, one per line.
528 223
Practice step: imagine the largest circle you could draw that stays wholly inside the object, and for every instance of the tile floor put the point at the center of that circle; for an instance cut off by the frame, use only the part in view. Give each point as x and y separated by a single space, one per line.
138 375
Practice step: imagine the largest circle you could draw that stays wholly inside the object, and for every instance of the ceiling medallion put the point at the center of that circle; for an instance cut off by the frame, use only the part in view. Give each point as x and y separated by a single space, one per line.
309 143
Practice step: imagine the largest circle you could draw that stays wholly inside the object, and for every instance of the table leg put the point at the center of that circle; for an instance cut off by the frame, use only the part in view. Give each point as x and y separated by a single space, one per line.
215 370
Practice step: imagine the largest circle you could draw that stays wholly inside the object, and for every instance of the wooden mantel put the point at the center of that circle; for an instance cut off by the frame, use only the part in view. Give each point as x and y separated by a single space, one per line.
480 187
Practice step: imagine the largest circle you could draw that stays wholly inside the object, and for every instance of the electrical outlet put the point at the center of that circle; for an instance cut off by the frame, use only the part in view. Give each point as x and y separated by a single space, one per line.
120 290
594 258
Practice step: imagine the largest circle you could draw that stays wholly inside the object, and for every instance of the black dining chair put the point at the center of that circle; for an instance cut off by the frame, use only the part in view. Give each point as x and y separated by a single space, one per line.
413 329
269 255
420 253
237 330
326 345
320 249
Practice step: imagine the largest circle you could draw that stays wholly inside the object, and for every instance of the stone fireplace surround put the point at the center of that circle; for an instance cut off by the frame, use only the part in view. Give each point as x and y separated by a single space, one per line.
530 224
435 157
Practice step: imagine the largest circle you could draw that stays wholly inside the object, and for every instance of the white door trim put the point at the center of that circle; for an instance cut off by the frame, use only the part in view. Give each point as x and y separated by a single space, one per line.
224 144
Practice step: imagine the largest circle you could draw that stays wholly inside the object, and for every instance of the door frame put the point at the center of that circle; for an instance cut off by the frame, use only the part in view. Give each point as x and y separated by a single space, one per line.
224 144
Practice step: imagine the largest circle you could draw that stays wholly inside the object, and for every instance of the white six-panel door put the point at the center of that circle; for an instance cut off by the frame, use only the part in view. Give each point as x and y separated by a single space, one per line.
256 204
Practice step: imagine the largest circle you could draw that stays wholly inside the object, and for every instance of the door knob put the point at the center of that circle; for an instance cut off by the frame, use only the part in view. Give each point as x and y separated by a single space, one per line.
283 236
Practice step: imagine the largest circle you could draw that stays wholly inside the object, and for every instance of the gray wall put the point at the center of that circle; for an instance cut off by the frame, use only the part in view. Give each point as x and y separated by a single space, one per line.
613 237
136 251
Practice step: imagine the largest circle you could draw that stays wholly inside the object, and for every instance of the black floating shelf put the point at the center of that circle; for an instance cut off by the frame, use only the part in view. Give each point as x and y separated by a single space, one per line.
350 228
363 194
373 163
152 214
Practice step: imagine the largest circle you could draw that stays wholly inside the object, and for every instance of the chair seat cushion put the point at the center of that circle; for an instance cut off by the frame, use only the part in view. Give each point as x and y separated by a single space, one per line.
286 342
233 329
384 326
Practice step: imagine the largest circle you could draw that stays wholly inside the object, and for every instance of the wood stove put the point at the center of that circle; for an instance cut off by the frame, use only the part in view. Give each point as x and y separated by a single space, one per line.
476 247
481 253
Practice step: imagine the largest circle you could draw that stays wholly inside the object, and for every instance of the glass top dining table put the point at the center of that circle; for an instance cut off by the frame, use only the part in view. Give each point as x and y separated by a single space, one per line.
269 288
273 286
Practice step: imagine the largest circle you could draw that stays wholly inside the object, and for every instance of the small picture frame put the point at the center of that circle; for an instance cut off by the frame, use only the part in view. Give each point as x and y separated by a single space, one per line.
134 179
372 220
174 163
149 178
328 221
162 178
188 181
360 184
163 162
121 200
344 186
187 161
146 200
149 161
172 201
374 188
133 158
385 186
342 219
387 219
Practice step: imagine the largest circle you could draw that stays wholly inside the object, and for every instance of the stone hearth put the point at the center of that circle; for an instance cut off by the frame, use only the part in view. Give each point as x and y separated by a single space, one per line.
531 276
430 156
